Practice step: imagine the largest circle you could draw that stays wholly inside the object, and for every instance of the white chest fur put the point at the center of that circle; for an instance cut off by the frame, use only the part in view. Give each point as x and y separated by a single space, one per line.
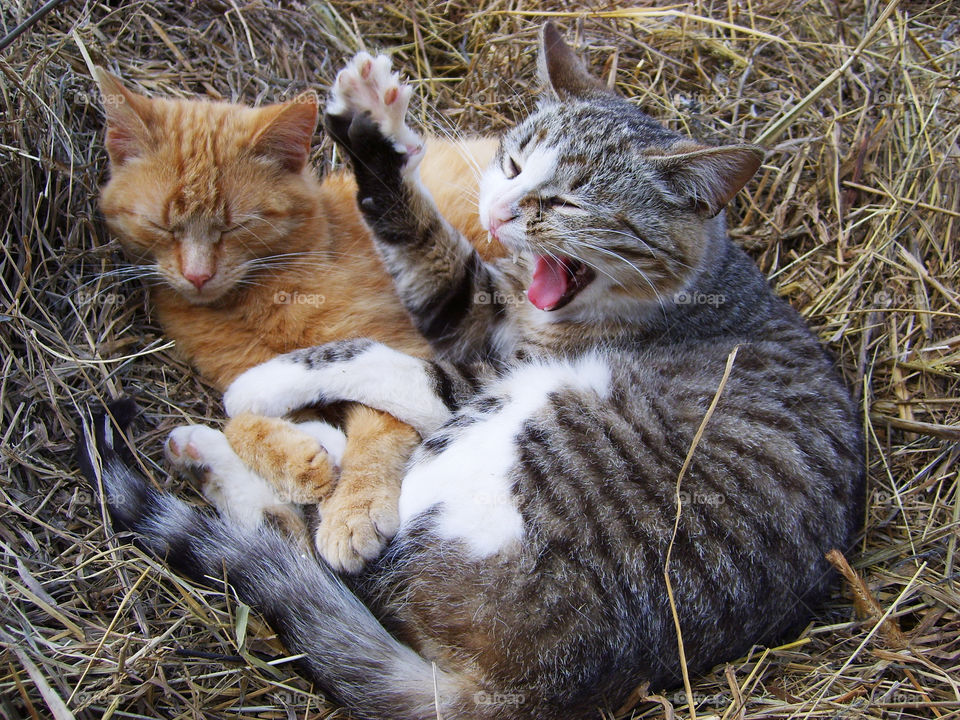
469 483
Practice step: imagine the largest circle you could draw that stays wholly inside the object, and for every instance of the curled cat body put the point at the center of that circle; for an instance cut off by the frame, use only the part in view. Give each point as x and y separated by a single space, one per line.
527 577
250 256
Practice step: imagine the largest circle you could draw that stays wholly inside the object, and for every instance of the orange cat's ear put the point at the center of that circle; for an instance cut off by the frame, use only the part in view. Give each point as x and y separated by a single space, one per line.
128 115
285 131
707 176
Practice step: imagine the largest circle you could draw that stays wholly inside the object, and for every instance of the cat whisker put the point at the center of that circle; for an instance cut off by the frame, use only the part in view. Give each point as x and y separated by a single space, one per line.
522 100
155 282
281 261
578 236
246 282
442 126
140 274
602 271
247 245
101 279
290 255
622 259
590 265
256 217
634 236
127 270
284 264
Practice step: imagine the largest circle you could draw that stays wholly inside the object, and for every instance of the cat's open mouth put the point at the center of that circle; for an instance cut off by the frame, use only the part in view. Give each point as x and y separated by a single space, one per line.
557 280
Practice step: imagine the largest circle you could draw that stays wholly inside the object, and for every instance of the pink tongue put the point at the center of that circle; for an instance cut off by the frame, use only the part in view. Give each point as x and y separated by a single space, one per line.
550 282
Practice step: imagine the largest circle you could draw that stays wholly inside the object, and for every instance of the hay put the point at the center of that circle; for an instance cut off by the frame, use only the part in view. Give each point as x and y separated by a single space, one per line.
854 216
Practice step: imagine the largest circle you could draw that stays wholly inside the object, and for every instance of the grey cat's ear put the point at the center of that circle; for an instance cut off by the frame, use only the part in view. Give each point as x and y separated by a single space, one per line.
561 70
128 115
708 177
285 131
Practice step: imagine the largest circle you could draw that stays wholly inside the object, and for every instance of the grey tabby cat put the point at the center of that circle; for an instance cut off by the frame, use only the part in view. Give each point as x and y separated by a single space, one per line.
527 578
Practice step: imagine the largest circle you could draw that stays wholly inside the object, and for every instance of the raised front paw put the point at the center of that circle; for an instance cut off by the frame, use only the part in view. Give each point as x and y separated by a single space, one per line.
275 388
368 103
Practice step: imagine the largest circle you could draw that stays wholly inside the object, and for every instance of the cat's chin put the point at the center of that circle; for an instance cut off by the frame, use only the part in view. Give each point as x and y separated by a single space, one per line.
202 297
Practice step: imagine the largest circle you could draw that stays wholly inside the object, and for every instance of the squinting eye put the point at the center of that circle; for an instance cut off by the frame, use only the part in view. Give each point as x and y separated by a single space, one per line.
159 228
559 202
512 169
227 231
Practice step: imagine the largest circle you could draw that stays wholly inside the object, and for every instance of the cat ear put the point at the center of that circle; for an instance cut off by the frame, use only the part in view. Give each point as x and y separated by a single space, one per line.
708 176
128 114
561 70
286 131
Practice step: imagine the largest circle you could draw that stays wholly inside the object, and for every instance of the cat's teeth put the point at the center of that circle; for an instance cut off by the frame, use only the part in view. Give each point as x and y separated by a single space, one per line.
516 257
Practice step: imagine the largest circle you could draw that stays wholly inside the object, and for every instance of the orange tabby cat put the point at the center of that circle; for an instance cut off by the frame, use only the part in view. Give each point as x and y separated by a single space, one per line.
254 258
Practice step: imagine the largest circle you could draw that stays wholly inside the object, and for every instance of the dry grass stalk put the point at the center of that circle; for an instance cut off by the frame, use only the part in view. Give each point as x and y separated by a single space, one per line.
865 603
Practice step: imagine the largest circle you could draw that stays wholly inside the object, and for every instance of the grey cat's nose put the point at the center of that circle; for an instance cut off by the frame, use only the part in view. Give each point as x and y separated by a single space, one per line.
499 218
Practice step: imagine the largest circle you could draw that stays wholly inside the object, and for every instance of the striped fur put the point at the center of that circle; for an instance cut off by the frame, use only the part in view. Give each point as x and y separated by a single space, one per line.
537 515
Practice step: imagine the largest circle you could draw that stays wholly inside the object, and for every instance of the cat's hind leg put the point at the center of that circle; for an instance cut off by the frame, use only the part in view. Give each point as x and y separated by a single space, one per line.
238 493
359 501
362 514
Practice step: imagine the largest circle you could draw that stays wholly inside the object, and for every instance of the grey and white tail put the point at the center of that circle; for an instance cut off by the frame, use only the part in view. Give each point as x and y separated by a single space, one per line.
347 652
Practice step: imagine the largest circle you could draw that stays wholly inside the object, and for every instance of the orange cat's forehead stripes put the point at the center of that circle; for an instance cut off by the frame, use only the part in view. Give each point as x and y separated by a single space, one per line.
206 143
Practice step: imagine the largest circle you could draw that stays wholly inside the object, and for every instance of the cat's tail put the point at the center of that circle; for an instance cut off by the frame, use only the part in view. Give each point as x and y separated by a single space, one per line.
346 651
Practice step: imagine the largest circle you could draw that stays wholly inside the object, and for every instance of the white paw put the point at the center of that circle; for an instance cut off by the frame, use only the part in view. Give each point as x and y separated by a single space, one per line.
367 85
330 438
275 388
200 447
238 494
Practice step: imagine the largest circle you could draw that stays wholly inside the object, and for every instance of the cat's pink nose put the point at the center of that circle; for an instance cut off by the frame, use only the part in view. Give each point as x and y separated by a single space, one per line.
198 279
500 216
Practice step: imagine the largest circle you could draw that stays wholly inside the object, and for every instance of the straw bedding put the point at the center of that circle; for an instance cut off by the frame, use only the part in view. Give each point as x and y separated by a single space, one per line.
854 216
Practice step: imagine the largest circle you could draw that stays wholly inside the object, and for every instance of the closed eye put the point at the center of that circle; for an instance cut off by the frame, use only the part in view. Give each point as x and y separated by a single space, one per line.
561 203
159 228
